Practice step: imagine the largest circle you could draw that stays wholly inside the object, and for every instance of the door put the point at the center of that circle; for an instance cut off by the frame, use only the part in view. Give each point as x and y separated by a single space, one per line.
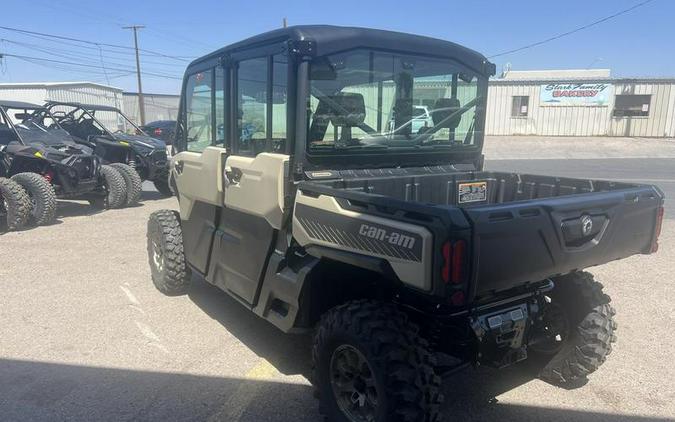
197 168
254 180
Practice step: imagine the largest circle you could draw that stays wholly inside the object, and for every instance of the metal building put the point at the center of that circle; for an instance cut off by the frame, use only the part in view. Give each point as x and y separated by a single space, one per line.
81 92
580 103
157 106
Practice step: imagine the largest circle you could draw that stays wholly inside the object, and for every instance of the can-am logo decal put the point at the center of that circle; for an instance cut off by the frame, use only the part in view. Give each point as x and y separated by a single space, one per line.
383 235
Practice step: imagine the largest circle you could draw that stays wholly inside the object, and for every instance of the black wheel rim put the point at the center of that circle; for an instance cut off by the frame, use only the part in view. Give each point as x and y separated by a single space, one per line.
353 383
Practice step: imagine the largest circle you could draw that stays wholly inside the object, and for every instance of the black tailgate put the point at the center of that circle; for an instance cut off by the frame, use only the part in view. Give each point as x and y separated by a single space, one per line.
528 241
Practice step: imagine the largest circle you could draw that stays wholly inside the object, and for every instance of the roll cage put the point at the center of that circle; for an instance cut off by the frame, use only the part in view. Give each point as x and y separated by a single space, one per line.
302 44
89 110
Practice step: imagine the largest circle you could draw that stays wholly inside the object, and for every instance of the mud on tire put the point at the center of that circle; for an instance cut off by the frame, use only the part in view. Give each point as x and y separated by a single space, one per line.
404 385
133 183
170 273
591 330
14 204
41 195
115 189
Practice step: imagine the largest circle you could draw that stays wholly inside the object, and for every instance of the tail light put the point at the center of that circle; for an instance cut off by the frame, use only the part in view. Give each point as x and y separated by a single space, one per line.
657 230
157 131
454 262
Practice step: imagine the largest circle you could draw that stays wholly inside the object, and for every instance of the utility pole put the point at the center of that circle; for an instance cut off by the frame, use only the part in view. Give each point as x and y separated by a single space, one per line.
141 103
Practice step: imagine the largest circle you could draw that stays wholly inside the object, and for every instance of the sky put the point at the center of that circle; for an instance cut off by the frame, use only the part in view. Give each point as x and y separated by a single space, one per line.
637 44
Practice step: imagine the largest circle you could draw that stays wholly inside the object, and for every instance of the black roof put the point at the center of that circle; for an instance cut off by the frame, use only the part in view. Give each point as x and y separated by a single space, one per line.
84 106
19 104
331 39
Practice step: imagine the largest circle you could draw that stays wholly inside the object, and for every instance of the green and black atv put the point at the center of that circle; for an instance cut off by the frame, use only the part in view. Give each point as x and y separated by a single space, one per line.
114 138
43 158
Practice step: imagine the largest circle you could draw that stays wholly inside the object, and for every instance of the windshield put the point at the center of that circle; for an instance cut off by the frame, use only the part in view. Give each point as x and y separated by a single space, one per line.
84 123
364 99
37 125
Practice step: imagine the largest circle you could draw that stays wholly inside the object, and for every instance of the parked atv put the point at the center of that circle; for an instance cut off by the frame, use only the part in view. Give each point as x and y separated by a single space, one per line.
14 205
116 139
388 241
43 158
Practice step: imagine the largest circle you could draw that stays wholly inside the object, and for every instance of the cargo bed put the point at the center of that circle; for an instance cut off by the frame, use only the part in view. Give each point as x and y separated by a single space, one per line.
524 228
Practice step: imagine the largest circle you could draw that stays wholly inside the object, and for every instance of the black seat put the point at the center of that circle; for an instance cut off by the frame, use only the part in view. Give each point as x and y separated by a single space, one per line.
344 110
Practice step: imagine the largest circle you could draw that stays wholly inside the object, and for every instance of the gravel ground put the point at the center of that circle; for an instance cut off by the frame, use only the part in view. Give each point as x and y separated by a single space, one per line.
85 336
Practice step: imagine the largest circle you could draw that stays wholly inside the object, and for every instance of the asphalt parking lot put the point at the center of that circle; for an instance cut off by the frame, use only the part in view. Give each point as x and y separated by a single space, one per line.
85 336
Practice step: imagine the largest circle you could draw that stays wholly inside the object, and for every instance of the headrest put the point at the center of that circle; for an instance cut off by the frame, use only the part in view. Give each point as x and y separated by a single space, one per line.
347 109
443 108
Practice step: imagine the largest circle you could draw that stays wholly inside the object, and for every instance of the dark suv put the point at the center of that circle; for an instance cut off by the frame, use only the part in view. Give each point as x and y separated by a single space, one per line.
161 129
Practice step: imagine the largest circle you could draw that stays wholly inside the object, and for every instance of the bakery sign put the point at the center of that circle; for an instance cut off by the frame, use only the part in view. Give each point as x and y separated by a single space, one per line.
576 94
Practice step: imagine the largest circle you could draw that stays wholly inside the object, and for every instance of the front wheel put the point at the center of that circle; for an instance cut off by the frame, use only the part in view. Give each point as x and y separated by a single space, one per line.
370 364
166 257
579 330
14 204
133 183
162 186
42 197
114 187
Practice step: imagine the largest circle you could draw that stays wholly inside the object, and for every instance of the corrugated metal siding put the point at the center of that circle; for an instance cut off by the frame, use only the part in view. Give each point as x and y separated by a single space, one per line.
545 120
29 95
157 107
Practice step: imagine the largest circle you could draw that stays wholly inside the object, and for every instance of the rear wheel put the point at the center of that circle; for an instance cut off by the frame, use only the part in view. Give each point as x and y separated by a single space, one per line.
133 182
370 364
580 329
41 195
114 187
170 272
14 204
162 186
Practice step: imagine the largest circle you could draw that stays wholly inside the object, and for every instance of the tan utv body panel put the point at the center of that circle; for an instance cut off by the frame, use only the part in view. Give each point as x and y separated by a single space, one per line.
361 237
200 178
261 188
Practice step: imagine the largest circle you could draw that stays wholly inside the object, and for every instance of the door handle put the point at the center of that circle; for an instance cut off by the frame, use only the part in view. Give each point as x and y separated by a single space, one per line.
178 166
232 176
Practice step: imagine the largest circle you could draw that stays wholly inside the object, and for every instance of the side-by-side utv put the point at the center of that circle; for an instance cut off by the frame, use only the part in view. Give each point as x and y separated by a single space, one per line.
331 181
43 158
114 138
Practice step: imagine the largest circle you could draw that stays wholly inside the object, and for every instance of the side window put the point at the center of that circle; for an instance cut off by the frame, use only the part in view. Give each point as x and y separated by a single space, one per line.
221 129
252 105
198 101
519 106
279 102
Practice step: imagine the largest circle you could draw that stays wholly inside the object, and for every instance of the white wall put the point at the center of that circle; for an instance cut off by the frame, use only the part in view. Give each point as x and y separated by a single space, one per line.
586 120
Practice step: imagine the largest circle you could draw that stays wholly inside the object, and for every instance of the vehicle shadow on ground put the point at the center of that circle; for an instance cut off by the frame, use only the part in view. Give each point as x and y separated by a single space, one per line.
470 394
152 195
65 209
288 353
41 391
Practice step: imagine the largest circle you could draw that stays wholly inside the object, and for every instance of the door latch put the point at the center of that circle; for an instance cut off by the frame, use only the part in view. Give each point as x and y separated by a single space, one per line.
178 166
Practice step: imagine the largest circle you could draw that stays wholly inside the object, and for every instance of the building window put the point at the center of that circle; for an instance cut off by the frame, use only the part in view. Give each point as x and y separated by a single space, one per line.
520 106
632 105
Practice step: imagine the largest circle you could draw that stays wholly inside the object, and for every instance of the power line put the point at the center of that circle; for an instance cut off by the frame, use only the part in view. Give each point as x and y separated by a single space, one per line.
581 28
42 59
23 31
